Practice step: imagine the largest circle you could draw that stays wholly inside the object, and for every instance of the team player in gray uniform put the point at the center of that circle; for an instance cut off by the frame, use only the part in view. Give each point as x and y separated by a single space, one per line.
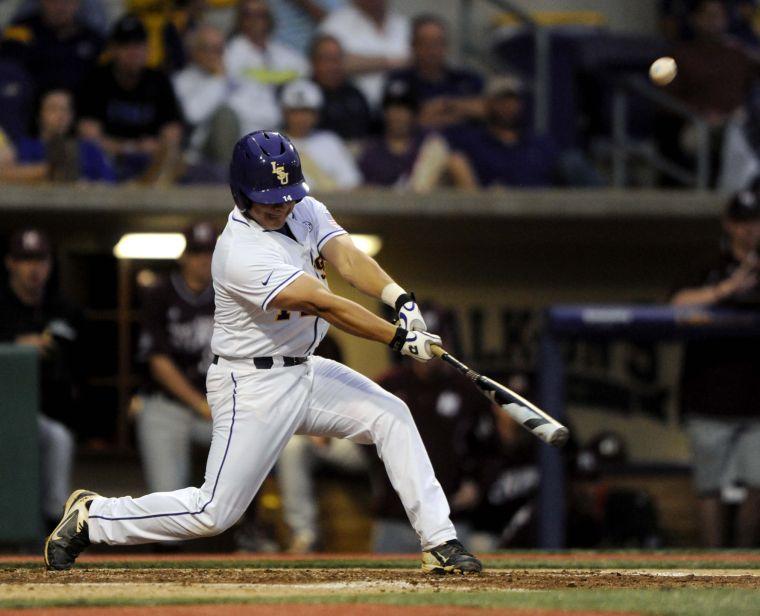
273 306
177 324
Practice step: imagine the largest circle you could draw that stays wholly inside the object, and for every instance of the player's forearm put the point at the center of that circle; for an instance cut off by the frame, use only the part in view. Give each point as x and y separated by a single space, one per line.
346 315
355 267
165 373
364 273
701 296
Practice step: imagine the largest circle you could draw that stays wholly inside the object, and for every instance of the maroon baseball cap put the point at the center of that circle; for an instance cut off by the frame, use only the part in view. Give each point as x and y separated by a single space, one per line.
201 237
29 244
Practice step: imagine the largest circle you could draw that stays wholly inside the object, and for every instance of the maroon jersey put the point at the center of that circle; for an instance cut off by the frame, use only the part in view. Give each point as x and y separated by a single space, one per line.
721 376
178 323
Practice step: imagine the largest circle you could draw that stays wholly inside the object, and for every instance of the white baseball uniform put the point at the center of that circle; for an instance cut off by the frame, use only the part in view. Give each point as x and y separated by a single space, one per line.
256 410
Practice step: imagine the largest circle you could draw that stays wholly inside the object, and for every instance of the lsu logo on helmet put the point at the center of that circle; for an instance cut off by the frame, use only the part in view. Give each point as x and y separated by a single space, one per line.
279 171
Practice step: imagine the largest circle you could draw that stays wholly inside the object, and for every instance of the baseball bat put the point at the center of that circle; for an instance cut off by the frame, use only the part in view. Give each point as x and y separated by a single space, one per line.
527 414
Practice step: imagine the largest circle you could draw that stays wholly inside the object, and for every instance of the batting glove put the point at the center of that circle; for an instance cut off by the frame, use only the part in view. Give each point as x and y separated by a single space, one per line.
409 314
416 345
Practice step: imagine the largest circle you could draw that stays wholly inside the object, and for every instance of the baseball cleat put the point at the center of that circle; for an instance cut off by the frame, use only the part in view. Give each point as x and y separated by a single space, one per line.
70 537
450 557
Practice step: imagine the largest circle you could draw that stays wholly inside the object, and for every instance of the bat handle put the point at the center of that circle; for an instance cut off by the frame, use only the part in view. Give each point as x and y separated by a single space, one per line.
438 350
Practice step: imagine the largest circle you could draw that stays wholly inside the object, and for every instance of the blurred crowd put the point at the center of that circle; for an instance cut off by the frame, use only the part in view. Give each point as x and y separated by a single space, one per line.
157 91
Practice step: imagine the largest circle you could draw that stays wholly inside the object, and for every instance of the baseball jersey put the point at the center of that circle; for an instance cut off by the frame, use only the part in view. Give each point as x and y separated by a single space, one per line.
721 376
251 266
178 323
61 371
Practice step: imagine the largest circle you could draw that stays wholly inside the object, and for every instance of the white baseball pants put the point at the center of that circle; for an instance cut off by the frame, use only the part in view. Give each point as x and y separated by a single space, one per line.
255 413
296 470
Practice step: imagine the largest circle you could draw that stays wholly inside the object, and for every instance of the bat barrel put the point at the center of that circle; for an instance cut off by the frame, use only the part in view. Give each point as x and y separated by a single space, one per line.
541 425
557 436
527 414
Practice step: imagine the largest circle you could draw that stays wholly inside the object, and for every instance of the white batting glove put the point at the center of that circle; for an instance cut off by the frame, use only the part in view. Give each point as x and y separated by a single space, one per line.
416 345
409 313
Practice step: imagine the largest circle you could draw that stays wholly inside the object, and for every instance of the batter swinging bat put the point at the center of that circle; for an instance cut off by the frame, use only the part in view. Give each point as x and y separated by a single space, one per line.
528 415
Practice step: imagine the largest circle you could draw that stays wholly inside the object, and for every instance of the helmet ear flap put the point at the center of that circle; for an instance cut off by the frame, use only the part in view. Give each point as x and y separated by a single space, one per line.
243 203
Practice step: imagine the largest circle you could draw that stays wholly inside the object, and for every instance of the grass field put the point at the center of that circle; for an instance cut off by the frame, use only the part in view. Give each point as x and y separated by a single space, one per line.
520 583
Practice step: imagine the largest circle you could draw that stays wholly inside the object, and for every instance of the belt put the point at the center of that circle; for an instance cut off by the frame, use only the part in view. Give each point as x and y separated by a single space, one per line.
266 363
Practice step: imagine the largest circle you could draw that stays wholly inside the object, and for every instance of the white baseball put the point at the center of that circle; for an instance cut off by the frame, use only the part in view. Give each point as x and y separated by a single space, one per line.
663 70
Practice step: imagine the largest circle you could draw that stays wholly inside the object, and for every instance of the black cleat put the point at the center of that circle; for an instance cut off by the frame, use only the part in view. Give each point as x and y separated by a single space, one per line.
450 557
70 537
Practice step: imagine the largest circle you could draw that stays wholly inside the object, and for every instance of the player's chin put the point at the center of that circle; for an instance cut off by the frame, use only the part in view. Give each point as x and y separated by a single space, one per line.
272 220
273 225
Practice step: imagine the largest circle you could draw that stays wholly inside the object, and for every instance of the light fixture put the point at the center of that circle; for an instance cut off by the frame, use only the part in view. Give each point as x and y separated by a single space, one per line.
150 246
368 244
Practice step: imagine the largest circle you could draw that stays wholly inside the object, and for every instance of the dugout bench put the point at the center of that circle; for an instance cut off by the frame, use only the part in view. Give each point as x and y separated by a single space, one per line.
611 322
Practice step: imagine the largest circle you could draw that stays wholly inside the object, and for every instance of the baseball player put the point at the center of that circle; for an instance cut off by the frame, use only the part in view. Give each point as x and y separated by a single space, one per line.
174 343
273 306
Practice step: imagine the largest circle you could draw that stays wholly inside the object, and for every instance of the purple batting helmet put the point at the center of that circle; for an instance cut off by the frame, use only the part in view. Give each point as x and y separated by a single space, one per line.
266 168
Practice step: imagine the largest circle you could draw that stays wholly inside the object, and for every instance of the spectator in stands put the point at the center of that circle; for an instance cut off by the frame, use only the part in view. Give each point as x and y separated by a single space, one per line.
53 45
17 92
446 95
203 90
714 74
503 152
448 412
715 77
407 157
740 149
55 155
345 110
131 110
7 151
375 39
166 22
94 13
676 24
175 342
32 315
720 383
259 65
297 20
327 164
297 470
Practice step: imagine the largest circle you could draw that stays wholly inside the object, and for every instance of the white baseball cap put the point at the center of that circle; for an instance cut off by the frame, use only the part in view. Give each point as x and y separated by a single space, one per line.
301 94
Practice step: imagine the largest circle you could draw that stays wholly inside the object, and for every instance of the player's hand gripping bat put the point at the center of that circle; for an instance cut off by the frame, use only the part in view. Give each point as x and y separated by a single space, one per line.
528 415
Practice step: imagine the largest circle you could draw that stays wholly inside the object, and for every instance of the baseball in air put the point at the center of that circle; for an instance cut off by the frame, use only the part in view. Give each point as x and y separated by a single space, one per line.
663 71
